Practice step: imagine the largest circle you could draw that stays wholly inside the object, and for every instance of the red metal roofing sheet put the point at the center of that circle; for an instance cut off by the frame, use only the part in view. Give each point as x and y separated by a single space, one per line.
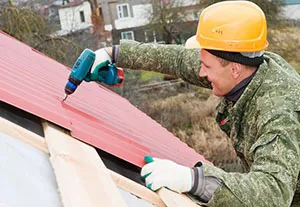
35 83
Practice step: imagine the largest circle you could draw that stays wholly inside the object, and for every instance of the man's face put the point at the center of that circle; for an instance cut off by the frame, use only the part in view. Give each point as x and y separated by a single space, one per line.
220 76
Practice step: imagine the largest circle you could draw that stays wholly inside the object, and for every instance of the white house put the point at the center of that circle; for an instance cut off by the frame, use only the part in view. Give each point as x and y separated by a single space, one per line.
291 9
141 15
75 16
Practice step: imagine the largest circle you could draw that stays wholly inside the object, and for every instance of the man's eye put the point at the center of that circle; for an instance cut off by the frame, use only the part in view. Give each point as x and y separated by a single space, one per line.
205 66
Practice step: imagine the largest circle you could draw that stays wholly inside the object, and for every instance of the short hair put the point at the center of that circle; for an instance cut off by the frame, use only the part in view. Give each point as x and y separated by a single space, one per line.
223 62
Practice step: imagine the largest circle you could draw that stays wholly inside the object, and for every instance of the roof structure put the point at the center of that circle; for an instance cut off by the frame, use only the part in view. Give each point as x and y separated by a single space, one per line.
35 83
17 188
290 2
73 3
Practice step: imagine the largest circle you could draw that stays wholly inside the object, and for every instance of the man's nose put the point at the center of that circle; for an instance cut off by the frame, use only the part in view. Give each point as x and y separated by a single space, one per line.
202 72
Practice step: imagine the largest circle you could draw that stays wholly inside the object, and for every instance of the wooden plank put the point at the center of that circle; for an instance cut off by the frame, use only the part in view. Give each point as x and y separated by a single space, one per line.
23 134
136 189
82 177
173 199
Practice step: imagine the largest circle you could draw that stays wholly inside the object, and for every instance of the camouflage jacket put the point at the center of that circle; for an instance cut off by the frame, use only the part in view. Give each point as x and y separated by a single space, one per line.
263 124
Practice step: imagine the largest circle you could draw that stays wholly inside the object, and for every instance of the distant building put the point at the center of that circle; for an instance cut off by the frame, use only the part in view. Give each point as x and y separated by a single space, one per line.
69 16
129 19
291 10
72 19
50 13
74 16
112 20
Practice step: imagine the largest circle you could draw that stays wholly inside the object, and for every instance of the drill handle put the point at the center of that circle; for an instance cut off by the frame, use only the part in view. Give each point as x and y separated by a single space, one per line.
105 73
95 74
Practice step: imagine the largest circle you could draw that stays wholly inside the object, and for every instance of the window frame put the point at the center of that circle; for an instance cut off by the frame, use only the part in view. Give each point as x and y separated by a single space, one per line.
126 32
120 11
82 17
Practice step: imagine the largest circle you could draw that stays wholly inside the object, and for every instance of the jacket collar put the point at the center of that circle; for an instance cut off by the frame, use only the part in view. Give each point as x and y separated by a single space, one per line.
237 110
238 90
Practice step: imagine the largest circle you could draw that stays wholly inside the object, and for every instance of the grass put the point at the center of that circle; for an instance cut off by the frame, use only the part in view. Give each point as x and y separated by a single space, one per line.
148 76
191 117
285 41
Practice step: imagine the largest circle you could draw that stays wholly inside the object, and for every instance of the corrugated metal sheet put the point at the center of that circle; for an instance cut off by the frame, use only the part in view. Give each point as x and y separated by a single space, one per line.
35 83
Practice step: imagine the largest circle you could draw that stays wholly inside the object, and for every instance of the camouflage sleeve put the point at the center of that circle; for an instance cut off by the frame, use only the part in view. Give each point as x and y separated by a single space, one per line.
168 59
272 178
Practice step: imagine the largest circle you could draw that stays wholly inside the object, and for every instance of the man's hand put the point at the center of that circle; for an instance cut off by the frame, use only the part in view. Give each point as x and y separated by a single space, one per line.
102 60
165 173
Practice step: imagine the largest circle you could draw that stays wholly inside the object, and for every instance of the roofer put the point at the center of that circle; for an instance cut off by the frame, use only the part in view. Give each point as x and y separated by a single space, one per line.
259 111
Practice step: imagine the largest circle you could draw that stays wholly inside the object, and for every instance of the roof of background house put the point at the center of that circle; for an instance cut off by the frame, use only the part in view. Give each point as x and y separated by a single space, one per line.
73 3
35 83
290 2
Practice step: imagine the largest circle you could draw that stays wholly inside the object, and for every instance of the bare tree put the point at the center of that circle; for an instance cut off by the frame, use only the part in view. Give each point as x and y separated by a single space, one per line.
29 27
98 23
176 20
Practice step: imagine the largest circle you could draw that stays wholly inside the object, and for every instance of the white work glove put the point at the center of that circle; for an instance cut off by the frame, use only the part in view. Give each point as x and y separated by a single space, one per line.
102 59
165 173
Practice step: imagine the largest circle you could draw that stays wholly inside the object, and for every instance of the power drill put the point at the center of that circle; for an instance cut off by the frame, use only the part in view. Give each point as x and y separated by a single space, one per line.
81 70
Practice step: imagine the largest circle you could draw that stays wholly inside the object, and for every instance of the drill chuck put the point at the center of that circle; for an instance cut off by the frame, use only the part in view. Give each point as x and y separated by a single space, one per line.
71 85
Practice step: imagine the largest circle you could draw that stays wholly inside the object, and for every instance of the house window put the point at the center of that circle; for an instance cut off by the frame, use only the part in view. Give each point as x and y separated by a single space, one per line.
127 35
150 36
146 36
82 16
100 12
123 11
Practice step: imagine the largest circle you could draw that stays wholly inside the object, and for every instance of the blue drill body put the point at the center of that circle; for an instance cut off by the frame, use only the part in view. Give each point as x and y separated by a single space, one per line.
81 69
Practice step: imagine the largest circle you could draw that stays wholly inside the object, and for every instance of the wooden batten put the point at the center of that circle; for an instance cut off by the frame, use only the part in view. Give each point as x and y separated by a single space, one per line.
137 189
170 198
82 178
23 134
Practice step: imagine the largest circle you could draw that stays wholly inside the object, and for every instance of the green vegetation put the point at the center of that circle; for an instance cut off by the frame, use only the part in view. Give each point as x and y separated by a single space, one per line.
147 76
189 113
285 41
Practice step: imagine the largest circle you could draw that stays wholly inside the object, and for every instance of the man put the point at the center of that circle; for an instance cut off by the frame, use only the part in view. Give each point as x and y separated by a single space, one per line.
260 109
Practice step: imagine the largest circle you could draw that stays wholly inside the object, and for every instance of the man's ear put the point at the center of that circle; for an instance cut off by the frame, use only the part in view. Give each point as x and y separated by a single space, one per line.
236 70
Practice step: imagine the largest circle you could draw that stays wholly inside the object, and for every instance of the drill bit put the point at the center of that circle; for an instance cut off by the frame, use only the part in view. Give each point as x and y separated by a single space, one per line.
66 96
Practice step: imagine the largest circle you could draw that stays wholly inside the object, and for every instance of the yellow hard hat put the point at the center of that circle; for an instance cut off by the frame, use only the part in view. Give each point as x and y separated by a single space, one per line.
234 26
